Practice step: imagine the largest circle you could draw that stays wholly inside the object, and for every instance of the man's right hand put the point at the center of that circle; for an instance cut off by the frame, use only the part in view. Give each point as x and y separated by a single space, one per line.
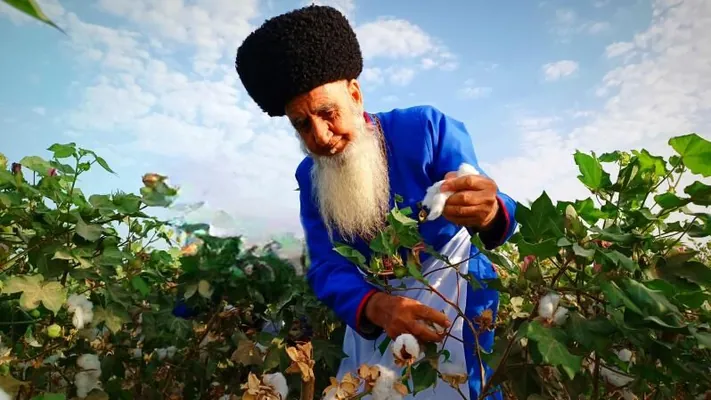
398 315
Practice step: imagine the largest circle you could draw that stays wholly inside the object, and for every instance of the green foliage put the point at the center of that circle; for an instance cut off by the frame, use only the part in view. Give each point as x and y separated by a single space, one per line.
167 310
600 297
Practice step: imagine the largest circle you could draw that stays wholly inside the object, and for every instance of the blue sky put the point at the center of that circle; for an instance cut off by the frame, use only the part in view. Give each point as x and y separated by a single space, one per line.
150 85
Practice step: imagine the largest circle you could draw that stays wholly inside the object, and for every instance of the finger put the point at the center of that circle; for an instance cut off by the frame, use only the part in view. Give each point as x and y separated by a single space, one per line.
430 314
424 333
471 198
479 212
468 182
450 175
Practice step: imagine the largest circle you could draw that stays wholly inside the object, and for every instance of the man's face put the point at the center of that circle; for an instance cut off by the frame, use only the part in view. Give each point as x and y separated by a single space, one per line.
325 118
350 173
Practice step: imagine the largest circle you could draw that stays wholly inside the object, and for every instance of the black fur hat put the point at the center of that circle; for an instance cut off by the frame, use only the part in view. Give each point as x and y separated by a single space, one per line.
296 52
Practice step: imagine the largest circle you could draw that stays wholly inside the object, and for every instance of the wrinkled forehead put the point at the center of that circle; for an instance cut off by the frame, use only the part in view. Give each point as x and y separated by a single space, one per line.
325 98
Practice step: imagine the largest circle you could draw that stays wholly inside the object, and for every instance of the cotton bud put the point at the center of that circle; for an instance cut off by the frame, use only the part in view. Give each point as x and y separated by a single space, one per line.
527 261
205 289
406 349
152 179
548 305
54 331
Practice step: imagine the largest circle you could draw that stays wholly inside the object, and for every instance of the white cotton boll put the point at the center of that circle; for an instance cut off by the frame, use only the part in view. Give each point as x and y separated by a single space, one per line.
624 355
85 383
249 269
561 314
278 382
384 386
170 351
408 344
548 304
467 169
4 395
89 362
434 200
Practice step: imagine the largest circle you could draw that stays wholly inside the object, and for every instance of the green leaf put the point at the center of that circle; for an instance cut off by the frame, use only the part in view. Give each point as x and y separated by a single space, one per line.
648 162
693 271
423 376
351 254
113 317
50 396
63 150
610 157
545 249
31 8
700 193
620 260
383 346
3 162
670 200
89 232
695 153
617 297
653 302
704 338
103 164
139 284
542 221
34 291
37 164
552 350
582 252
591 173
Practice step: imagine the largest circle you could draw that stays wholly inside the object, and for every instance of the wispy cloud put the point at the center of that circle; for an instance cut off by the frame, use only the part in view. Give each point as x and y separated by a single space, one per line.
666 92
559 69
472 91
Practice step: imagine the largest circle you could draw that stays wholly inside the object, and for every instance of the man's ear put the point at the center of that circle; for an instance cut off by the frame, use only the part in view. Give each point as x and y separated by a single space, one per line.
355 92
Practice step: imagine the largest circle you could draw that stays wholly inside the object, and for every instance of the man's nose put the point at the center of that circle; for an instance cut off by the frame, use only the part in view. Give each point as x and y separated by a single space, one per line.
322 134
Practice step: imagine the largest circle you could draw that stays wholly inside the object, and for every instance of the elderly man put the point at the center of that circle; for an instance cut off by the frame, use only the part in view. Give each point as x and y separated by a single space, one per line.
304 65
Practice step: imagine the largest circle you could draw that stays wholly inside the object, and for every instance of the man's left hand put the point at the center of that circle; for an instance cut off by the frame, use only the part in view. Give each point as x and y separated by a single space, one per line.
473 203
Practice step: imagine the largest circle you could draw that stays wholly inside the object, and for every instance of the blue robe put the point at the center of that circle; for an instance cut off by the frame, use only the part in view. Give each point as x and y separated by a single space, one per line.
423 144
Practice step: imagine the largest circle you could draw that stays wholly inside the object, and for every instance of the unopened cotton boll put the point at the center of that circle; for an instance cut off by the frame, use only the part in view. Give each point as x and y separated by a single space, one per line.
278 382
434 197
406 347
548 304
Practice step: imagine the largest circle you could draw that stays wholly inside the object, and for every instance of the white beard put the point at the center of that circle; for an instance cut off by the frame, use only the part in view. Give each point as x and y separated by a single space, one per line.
353 188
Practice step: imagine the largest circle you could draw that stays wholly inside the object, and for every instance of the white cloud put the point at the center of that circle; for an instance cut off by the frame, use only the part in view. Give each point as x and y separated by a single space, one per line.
372 75
663 93
567 23
39 110
559 69
397 39
618 48
401 76
471 91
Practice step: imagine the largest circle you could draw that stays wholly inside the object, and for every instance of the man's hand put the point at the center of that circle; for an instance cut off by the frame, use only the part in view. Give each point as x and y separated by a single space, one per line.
398 315
473 203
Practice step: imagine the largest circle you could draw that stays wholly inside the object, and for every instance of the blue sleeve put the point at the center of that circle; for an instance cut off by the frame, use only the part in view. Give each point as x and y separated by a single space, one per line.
451 146
336 281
